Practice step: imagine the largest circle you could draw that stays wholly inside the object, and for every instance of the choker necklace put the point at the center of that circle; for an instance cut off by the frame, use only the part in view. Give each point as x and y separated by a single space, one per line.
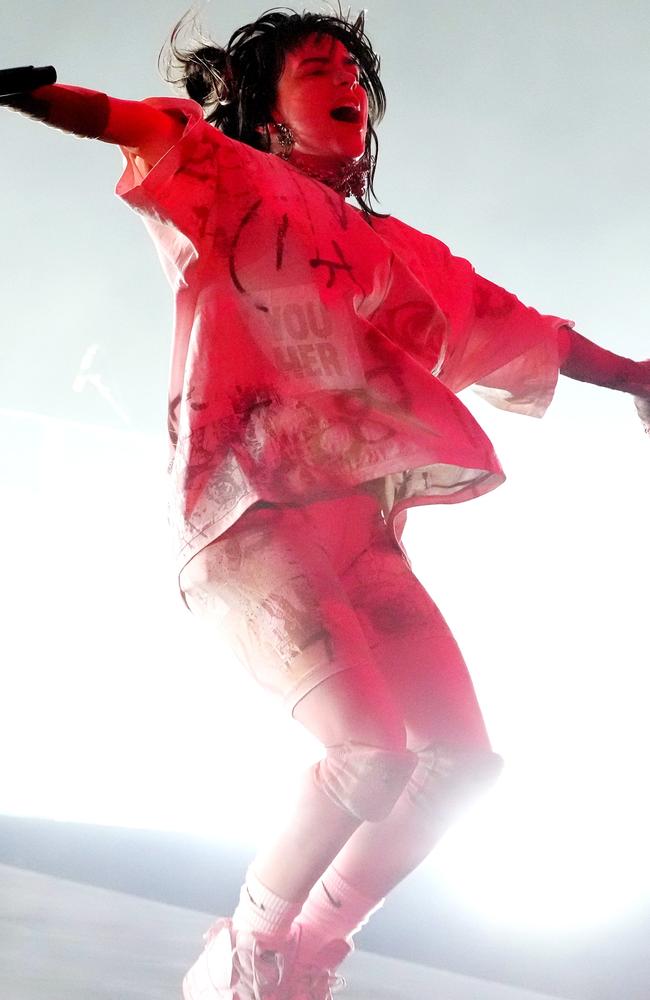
347 178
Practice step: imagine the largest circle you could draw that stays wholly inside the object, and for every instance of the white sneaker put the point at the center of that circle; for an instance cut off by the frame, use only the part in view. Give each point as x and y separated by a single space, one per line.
239 966
315 978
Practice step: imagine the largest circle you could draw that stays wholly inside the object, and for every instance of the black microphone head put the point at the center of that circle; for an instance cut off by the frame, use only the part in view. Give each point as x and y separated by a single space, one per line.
22 79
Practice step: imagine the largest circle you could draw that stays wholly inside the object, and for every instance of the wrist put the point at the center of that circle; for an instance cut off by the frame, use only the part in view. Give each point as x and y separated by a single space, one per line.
587 362
634 378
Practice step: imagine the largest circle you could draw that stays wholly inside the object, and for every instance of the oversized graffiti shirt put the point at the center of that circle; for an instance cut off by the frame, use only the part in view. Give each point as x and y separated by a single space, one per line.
316 348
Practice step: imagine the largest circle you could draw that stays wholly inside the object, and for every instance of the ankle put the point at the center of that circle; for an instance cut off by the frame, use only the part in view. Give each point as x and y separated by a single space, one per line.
262 911
334 910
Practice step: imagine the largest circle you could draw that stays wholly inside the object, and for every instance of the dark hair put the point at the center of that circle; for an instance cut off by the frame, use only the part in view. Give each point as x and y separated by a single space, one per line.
237 84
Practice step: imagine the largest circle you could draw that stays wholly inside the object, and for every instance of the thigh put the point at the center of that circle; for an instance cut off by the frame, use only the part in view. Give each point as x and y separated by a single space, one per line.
414 649
272 585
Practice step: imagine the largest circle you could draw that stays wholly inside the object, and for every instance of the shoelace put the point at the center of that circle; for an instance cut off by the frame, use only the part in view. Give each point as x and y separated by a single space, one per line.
261 978
318 984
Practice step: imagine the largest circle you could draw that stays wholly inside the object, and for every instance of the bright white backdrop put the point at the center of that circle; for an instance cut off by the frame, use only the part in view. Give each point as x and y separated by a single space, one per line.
517 133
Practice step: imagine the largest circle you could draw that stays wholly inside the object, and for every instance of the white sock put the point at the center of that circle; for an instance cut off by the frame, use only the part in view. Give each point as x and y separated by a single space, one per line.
334 909
260 911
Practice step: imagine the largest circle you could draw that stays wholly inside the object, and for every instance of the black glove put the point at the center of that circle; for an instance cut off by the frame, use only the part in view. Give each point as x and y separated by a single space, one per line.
23 79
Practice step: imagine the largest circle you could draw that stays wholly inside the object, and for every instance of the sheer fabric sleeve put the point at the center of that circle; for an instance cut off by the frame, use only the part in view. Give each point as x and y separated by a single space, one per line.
508 352
175 195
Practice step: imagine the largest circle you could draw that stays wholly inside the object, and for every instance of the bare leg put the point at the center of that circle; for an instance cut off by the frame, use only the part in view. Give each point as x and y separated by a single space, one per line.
351 705
378 856
416 654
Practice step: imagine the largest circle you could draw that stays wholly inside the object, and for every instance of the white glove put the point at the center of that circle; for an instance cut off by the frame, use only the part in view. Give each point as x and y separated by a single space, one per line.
642 404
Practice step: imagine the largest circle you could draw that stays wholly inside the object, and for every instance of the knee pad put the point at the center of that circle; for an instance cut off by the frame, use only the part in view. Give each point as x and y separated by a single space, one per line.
447 778
366 781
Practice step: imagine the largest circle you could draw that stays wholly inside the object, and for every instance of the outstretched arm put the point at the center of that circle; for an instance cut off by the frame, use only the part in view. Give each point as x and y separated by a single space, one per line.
93 115
587 362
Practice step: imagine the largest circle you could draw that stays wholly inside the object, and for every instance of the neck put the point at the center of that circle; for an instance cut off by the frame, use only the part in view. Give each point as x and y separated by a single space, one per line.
345 176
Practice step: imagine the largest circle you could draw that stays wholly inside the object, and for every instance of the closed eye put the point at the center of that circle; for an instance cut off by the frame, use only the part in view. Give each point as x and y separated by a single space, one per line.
324 61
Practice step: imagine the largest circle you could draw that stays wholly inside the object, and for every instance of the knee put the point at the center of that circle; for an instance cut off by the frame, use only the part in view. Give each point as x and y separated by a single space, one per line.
448 778
366 781
367 764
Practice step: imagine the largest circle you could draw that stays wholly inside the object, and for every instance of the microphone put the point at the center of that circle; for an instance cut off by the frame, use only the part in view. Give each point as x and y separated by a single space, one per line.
22 79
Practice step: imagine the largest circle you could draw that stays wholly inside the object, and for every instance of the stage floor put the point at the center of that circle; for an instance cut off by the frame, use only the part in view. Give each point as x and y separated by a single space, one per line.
61 940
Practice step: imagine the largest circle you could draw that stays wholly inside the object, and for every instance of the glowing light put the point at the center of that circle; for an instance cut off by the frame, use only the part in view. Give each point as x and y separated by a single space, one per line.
120 709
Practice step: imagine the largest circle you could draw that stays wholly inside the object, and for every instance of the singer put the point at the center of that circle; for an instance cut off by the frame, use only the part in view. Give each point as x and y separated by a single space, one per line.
319 347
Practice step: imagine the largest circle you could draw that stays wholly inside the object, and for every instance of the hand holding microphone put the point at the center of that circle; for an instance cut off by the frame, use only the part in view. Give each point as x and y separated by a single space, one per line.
31 91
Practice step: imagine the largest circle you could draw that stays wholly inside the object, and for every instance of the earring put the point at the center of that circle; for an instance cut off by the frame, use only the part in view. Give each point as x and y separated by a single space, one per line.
286 139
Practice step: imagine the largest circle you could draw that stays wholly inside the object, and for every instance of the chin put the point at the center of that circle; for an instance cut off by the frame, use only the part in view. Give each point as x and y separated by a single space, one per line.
351 146
353 150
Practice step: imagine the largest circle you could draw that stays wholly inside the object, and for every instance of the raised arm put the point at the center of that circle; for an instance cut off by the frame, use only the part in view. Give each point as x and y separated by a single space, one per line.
91 114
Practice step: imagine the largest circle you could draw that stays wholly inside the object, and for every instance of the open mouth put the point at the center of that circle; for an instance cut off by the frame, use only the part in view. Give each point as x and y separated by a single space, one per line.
347 113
